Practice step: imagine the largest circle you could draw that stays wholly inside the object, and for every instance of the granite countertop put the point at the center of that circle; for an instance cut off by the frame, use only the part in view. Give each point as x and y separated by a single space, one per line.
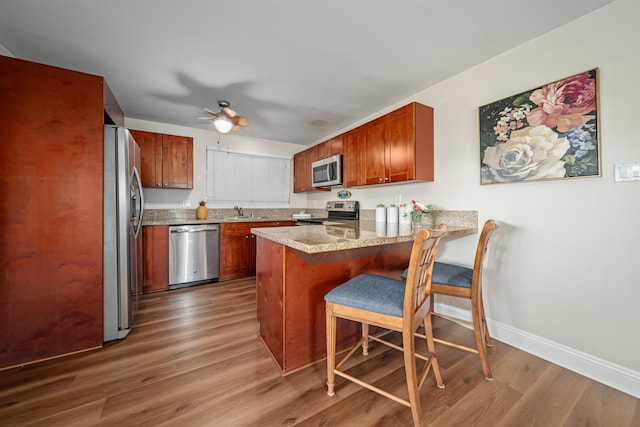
335 237
222 220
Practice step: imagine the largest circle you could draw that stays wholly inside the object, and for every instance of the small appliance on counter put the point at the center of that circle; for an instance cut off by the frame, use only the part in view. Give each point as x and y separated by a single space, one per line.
337 211
301 215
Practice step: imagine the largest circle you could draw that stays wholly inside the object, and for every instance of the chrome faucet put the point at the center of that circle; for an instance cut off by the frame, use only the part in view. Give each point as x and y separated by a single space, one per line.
238 210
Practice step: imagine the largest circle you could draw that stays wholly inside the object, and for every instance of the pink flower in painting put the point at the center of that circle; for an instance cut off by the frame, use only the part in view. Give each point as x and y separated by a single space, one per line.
565 104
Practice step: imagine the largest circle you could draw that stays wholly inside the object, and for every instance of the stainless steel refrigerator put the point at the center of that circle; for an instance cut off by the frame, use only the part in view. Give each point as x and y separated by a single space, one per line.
123 209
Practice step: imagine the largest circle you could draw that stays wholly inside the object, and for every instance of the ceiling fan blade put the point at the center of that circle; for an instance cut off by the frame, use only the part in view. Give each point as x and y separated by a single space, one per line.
210 112
236 128
228 112
240 121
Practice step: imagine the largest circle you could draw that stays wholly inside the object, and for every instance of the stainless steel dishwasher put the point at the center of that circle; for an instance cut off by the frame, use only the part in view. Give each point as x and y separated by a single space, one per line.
194 254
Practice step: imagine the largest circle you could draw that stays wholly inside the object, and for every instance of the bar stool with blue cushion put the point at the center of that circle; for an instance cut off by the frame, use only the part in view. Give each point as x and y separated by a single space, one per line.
463 282
391 304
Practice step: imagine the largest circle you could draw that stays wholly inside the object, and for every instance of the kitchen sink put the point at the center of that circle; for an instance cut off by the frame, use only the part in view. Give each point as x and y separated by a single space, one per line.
241 218
229 218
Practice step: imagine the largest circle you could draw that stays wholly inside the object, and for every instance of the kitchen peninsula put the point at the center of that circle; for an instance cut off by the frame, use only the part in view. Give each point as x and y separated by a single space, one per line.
296 266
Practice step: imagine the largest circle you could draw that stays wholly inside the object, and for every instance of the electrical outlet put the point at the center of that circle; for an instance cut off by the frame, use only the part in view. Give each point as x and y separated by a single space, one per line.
627 172
186 203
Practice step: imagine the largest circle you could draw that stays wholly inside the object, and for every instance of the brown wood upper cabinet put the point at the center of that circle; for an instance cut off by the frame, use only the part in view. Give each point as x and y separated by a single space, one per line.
353 164
301 173
302 181
399 146
167 160
396 147
328 148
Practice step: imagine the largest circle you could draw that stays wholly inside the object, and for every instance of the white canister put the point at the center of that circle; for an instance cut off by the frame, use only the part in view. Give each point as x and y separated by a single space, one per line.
404 229
381 229
381 214
393 229
405 215
392 215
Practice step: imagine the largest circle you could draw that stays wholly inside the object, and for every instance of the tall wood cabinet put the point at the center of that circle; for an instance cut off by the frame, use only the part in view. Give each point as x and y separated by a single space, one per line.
167 160
51 210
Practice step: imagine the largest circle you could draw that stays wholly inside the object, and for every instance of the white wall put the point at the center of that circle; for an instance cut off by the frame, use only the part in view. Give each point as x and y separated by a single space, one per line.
565 268
566 265
173 198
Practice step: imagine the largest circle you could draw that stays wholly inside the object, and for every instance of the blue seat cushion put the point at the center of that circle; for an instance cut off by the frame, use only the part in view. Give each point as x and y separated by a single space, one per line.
448 274
370 292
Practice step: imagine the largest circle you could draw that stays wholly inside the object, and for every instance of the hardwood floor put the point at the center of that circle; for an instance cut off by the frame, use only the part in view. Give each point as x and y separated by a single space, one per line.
194 359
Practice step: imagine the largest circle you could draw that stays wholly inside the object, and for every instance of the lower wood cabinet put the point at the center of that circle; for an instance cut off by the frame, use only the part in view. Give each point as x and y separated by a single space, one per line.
238 248
155 267
237 252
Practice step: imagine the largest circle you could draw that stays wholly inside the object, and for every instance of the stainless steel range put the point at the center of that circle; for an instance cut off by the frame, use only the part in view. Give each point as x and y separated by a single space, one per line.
337 212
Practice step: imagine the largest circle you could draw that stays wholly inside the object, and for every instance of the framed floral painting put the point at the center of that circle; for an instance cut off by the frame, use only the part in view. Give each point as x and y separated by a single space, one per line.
550 132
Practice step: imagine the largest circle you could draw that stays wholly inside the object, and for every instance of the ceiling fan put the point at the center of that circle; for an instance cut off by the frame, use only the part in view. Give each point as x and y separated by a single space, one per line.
226 120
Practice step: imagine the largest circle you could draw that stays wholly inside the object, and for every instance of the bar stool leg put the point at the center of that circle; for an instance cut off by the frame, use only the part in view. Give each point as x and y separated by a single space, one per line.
365 339
331 353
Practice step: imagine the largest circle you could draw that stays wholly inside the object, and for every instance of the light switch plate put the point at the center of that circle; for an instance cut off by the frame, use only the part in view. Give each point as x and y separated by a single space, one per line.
625 172
186 203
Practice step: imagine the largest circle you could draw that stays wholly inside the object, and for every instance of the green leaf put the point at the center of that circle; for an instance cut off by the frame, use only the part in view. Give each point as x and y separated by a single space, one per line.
522 99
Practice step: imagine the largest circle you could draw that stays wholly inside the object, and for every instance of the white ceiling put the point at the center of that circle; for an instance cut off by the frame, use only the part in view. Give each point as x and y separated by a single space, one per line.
300 70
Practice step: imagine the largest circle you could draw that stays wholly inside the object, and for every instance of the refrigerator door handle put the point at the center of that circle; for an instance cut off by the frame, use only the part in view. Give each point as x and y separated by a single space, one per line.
138 226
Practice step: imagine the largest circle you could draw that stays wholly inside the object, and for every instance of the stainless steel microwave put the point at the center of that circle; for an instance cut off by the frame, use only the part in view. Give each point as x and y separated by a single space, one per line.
327 172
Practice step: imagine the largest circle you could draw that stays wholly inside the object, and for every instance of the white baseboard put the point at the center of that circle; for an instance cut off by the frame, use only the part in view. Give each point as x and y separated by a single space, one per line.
608 373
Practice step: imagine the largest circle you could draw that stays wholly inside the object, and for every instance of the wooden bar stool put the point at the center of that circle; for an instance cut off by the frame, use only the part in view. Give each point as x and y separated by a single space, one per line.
463 282
394 305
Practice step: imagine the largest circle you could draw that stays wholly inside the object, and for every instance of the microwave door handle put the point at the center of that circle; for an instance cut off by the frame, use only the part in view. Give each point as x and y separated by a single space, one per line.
329 171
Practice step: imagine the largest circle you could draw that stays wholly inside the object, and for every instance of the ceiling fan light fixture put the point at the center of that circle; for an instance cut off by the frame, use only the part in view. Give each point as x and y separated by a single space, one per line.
223 124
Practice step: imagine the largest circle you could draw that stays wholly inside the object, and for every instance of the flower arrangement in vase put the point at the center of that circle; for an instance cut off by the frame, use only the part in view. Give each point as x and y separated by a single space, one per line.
417 209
